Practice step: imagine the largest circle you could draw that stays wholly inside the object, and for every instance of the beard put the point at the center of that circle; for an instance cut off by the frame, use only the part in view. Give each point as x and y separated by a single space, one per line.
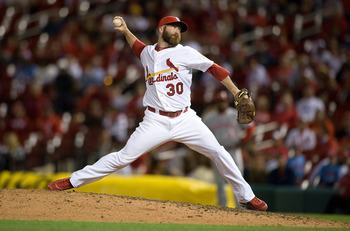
172 40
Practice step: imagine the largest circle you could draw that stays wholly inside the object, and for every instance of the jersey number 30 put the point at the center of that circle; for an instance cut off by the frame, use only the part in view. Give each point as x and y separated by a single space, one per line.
178 88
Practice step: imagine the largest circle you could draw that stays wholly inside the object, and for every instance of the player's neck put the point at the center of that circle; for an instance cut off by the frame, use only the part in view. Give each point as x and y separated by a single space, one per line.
161 45
158 48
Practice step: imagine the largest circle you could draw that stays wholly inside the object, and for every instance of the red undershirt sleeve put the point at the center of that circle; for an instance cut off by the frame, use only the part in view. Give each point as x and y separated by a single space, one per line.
137 48
218 72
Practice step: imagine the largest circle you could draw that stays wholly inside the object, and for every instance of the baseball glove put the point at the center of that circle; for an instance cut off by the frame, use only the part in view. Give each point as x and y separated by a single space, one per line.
245 107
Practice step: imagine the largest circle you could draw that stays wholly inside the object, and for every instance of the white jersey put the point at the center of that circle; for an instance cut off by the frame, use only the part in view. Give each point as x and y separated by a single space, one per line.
168 75
168 80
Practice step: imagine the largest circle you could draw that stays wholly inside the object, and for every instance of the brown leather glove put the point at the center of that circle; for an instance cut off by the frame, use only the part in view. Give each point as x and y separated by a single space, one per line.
245 107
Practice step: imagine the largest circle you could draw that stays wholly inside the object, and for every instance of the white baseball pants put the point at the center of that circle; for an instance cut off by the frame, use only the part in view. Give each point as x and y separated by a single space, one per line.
157 129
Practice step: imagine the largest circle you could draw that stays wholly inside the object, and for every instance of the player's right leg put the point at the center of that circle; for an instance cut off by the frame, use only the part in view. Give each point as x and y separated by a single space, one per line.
148 135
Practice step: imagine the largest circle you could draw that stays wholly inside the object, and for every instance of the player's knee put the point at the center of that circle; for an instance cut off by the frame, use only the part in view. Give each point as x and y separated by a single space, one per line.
123 159
220 154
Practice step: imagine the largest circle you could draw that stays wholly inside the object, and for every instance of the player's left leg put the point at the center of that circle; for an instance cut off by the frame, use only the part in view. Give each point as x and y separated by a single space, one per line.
220 180
197 136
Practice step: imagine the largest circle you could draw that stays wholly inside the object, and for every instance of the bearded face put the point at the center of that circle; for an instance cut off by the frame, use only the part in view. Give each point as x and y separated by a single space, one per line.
171 39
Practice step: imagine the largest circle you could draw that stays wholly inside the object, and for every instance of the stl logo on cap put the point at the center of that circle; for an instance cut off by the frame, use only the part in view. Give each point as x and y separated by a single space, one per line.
172 19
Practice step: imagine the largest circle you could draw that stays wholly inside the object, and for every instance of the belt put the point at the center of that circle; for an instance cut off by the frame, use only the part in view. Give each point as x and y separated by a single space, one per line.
168 114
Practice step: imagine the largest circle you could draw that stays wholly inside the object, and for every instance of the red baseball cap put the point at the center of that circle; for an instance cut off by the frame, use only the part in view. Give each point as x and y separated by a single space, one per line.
172 19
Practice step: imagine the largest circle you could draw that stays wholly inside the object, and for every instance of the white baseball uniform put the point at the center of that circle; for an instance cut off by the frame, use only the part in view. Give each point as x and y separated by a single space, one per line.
227 131
168 116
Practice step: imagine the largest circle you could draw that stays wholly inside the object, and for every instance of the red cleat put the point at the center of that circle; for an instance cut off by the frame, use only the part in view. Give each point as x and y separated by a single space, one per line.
60 185
256 204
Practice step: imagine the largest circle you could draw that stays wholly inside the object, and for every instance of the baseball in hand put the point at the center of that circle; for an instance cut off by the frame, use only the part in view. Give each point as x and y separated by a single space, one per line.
117 22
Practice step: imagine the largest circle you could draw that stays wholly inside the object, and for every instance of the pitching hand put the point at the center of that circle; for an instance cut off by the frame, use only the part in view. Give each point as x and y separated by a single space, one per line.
123 28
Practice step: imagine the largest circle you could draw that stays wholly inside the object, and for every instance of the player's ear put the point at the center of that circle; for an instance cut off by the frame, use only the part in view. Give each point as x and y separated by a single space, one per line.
161 29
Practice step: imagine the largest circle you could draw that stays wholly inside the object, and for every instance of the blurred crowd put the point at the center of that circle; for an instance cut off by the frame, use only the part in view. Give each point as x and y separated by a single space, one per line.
71 90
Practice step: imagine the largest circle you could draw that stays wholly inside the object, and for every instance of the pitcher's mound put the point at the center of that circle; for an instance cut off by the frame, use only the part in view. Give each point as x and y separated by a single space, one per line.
47 205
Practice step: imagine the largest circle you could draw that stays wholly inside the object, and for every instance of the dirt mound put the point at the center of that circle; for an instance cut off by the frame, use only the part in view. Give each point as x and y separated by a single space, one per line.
47 205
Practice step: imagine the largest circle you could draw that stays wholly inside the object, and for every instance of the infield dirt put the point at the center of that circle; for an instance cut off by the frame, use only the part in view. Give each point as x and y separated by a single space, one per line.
77 206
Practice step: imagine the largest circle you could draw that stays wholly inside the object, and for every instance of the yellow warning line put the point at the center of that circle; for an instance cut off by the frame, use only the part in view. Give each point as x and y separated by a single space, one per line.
160 72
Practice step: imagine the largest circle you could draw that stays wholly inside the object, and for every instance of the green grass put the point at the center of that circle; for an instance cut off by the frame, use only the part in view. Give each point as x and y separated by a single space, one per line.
25 225
332 217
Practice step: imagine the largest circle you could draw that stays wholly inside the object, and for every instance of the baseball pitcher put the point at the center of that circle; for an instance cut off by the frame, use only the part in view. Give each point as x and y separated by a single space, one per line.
168 115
